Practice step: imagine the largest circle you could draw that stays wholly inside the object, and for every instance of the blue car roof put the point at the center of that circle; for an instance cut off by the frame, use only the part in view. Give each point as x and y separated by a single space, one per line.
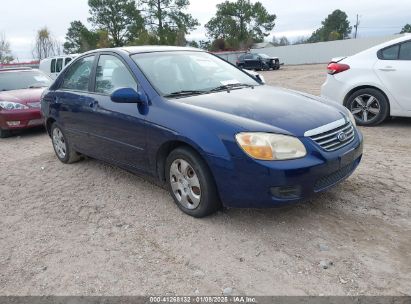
149 49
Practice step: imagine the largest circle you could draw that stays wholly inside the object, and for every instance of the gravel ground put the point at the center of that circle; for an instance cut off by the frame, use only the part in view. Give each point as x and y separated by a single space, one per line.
92 229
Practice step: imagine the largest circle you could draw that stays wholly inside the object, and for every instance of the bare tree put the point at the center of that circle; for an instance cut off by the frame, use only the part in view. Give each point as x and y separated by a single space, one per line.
5 52
45 45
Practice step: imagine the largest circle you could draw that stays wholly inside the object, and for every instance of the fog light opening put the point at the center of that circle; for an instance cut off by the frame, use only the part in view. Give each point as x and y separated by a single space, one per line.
286 192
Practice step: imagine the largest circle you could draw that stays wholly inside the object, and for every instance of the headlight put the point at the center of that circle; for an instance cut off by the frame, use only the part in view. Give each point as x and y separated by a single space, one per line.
267 146
8 105
352 118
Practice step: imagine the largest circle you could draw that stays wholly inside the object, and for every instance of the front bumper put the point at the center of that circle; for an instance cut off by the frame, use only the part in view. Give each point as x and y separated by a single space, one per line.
247 183
20 119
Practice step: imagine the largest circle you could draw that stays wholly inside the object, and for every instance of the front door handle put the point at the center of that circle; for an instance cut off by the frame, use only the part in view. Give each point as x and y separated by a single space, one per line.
93 104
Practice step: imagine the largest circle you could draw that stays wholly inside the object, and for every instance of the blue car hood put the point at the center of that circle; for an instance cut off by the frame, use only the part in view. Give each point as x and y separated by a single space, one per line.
287 110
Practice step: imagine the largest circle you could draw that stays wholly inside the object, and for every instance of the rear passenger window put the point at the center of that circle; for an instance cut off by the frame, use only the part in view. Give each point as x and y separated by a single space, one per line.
405 51
390 53
53 66
78 76
59 65
67 61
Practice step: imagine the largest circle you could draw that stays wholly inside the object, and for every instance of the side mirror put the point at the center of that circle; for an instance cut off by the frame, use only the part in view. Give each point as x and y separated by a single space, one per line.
129 95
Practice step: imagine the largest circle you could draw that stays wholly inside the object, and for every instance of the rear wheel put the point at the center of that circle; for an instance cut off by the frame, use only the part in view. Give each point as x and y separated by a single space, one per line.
62 147
4 133
191 184
369 107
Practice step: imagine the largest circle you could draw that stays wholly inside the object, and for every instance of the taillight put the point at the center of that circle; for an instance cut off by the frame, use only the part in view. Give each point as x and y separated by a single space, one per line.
335 68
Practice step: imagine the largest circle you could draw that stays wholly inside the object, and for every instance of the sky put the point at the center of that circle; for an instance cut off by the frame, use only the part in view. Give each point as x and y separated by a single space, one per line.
20 19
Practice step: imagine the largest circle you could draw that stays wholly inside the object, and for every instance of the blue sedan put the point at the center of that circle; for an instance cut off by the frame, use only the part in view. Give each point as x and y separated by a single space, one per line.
214 134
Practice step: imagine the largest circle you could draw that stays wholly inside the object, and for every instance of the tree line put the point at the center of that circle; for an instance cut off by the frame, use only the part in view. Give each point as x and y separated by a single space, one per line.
115 23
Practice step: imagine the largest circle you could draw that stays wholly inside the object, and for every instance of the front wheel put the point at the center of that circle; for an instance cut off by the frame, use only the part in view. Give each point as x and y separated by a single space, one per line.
369 107
191 184
62 147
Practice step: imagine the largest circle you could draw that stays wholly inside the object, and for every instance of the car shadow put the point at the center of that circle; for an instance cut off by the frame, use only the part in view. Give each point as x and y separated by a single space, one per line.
280 213
27 133
397 122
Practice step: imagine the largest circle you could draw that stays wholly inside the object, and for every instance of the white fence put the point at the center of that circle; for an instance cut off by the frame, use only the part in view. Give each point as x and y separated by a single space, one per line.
322 52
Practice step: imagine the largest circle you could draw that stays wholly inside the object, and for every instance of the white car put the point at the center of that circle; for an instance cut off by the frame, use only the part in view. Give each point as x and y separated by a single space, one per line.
373 84
54 65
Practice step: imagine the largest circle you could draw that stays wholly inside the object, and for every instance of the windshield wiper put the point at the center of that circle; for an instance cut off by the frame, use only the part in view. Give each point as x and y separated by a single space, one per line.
227 87
185 93
36 86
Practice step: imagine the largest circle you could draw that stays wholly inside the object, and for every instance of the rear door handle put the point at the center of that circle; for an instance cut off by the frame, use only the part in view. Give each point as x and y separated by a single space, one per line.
388 69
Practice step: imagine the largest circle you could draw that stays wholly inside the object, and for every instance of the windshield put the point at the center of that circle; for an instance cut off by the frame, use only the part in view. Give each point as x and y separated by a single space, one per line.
23 80
171 72
264 56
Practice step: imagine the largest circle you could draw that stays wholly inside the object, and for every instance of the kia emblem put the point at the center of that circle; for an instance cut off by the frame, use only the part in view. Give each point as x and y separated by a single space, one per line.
342 137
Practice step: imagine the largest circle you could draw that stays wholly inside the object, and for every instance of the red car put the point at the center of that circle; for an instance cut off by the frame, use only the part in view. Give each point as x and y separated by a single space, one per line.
20 92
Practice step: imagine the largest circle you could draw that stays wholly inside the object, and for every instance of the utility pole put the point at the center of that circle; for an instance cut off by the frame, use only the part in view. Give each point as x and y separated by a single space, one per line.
357 23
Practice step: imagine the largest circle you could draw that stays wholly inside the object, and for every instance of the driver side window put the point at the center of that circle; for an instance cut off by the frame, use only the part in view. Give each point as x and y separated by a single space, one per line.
112 74
78 77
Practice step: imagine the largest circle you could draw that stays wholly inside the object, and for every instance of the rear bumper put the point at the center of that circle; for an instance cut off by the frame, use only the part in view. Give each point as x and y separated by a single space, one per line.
334 89
246 183
20 119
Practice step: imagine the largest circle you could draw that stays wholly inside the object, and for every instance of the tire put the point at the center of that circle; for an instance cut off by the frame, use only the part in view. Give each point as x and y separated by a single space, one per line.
191 184
64 151
241 66
4 133
369 106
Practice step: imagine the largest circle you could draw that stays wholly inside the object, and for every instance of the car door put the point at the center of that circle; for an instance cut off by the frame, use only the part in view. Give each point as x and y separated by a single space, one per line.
394 70
118 130
248 61
257 61
72 103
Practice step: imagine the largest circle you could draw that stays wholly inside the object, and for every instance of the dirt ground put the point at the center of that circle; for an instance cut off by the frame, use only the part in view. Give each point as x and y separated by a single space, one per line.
92 229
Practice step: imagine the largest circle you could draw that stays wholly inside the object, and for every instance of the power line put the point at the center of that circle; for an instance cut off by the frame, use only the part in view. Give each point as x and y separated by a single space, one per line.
381 27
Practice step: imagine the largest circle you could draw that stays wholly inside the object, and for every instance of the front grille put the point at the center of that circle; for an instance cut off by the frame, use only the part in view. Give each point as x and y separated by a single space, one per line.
335 177
336 138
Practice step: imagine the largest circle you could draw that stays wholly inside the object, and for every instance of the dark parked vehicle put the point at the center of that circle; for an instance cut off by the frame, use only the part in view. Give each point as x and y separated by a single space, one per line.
20 92
258 62
210 131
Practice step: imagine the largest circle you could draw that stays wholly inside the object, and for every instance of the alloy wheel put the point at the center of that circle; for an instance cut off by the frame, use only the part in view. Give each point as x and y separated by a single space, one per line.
185 184
365 108
59 143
